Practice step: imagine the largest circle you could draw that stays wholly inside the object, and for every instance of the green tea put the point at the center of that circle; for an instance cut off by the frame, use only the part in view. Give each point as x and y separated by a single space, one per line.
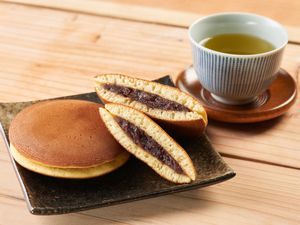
240 44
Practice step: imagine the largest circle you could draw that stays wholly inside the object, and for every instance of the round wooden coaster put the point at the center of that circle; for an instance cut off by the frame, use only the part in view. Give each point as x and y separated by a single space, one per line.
275 101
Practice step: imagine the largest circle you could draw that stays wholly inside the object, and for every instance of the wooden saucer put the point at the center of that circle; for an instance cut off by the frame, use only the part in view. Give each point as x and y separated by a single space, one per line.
272 103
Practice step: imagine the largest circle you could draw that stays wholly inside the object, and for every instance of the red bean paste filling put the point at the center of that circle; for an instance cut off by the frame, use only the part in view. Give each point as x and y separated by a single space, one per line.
151 100
146 142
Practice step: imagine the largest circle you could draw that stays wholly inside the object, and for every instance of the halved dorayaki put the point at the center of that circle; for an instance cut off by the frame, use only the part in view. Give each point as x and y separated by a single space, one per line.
143 138
173 109
64 138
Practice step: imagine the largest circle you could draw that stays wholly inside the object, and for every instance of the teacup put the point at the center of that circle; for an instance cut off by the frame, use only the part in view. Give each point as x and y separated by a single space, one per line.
231 78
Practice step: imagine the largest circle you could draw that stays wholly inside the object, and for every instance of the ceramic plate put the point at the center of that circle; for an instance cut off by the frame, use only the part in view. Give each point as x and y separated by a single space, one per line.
133 181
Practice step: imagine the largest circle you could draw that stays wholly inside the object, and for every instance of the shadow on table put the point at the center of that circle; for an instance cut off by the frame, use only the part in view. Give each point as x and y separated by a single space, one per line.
164 209
160 209
248 128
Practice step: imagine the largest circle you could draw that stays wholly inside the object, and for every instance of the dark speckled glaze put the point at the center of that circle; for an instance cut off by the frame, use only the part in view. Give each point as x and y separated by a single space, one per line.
133 181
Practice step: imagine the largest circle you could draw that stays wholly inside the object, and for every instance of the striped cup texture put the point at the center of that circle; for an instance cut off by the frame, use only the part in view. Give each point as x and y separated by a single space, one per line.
235 77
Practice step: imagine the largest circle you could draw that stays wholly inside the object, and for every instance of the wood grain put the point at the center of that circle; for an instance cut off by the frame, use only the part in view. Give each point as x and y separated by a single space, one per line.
259 194
47 53
250 193
64 61
178 14
276 9
14 212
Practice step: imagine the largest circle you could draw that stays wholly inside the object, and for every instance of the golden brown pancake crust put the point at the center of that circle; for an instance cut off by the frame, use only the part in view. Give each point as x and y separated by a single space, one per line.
63 133
70 173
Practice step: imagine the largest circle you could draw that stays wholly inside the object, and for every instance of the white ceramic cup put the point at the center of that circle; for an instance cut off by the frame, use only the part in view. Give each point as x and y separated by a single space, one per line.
236 79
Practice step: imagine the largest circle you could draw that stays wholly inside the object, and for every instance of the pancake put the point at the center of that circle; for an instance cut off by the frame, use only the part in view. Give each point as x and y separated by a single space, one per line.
143 138
74 173
171 108
64 138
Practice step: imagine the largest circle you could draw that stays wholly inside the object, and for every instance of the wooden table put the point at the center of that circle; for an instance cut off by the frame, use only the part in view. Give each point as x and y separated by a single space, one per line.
54 48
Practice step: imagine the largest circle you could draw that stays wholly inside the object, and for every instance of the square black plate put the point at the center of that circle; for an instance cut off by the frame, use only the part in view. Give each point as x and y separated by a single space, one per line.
133 181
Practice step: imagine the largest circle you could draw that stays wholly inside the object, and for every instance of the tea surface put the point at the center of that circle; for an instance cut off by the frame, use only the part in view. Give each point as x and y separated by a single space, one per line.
240 44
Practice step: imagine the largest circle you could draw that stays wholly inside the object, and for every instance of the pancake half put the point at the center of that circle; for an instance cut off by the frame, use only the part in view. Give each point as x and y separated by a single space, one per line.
173 109
143 138
64 138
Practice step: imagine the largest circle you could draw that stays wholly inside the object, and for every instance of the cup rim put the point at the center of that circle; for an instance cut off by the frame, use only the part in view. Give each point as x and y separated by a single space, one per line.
237 55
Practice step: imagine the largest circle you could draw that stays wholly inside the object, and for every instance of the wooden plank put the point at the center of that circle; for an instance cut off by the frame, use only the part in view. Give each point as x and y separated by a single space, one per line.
77 47
12 203
162 12
259 194
14 212
276 9
34 65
